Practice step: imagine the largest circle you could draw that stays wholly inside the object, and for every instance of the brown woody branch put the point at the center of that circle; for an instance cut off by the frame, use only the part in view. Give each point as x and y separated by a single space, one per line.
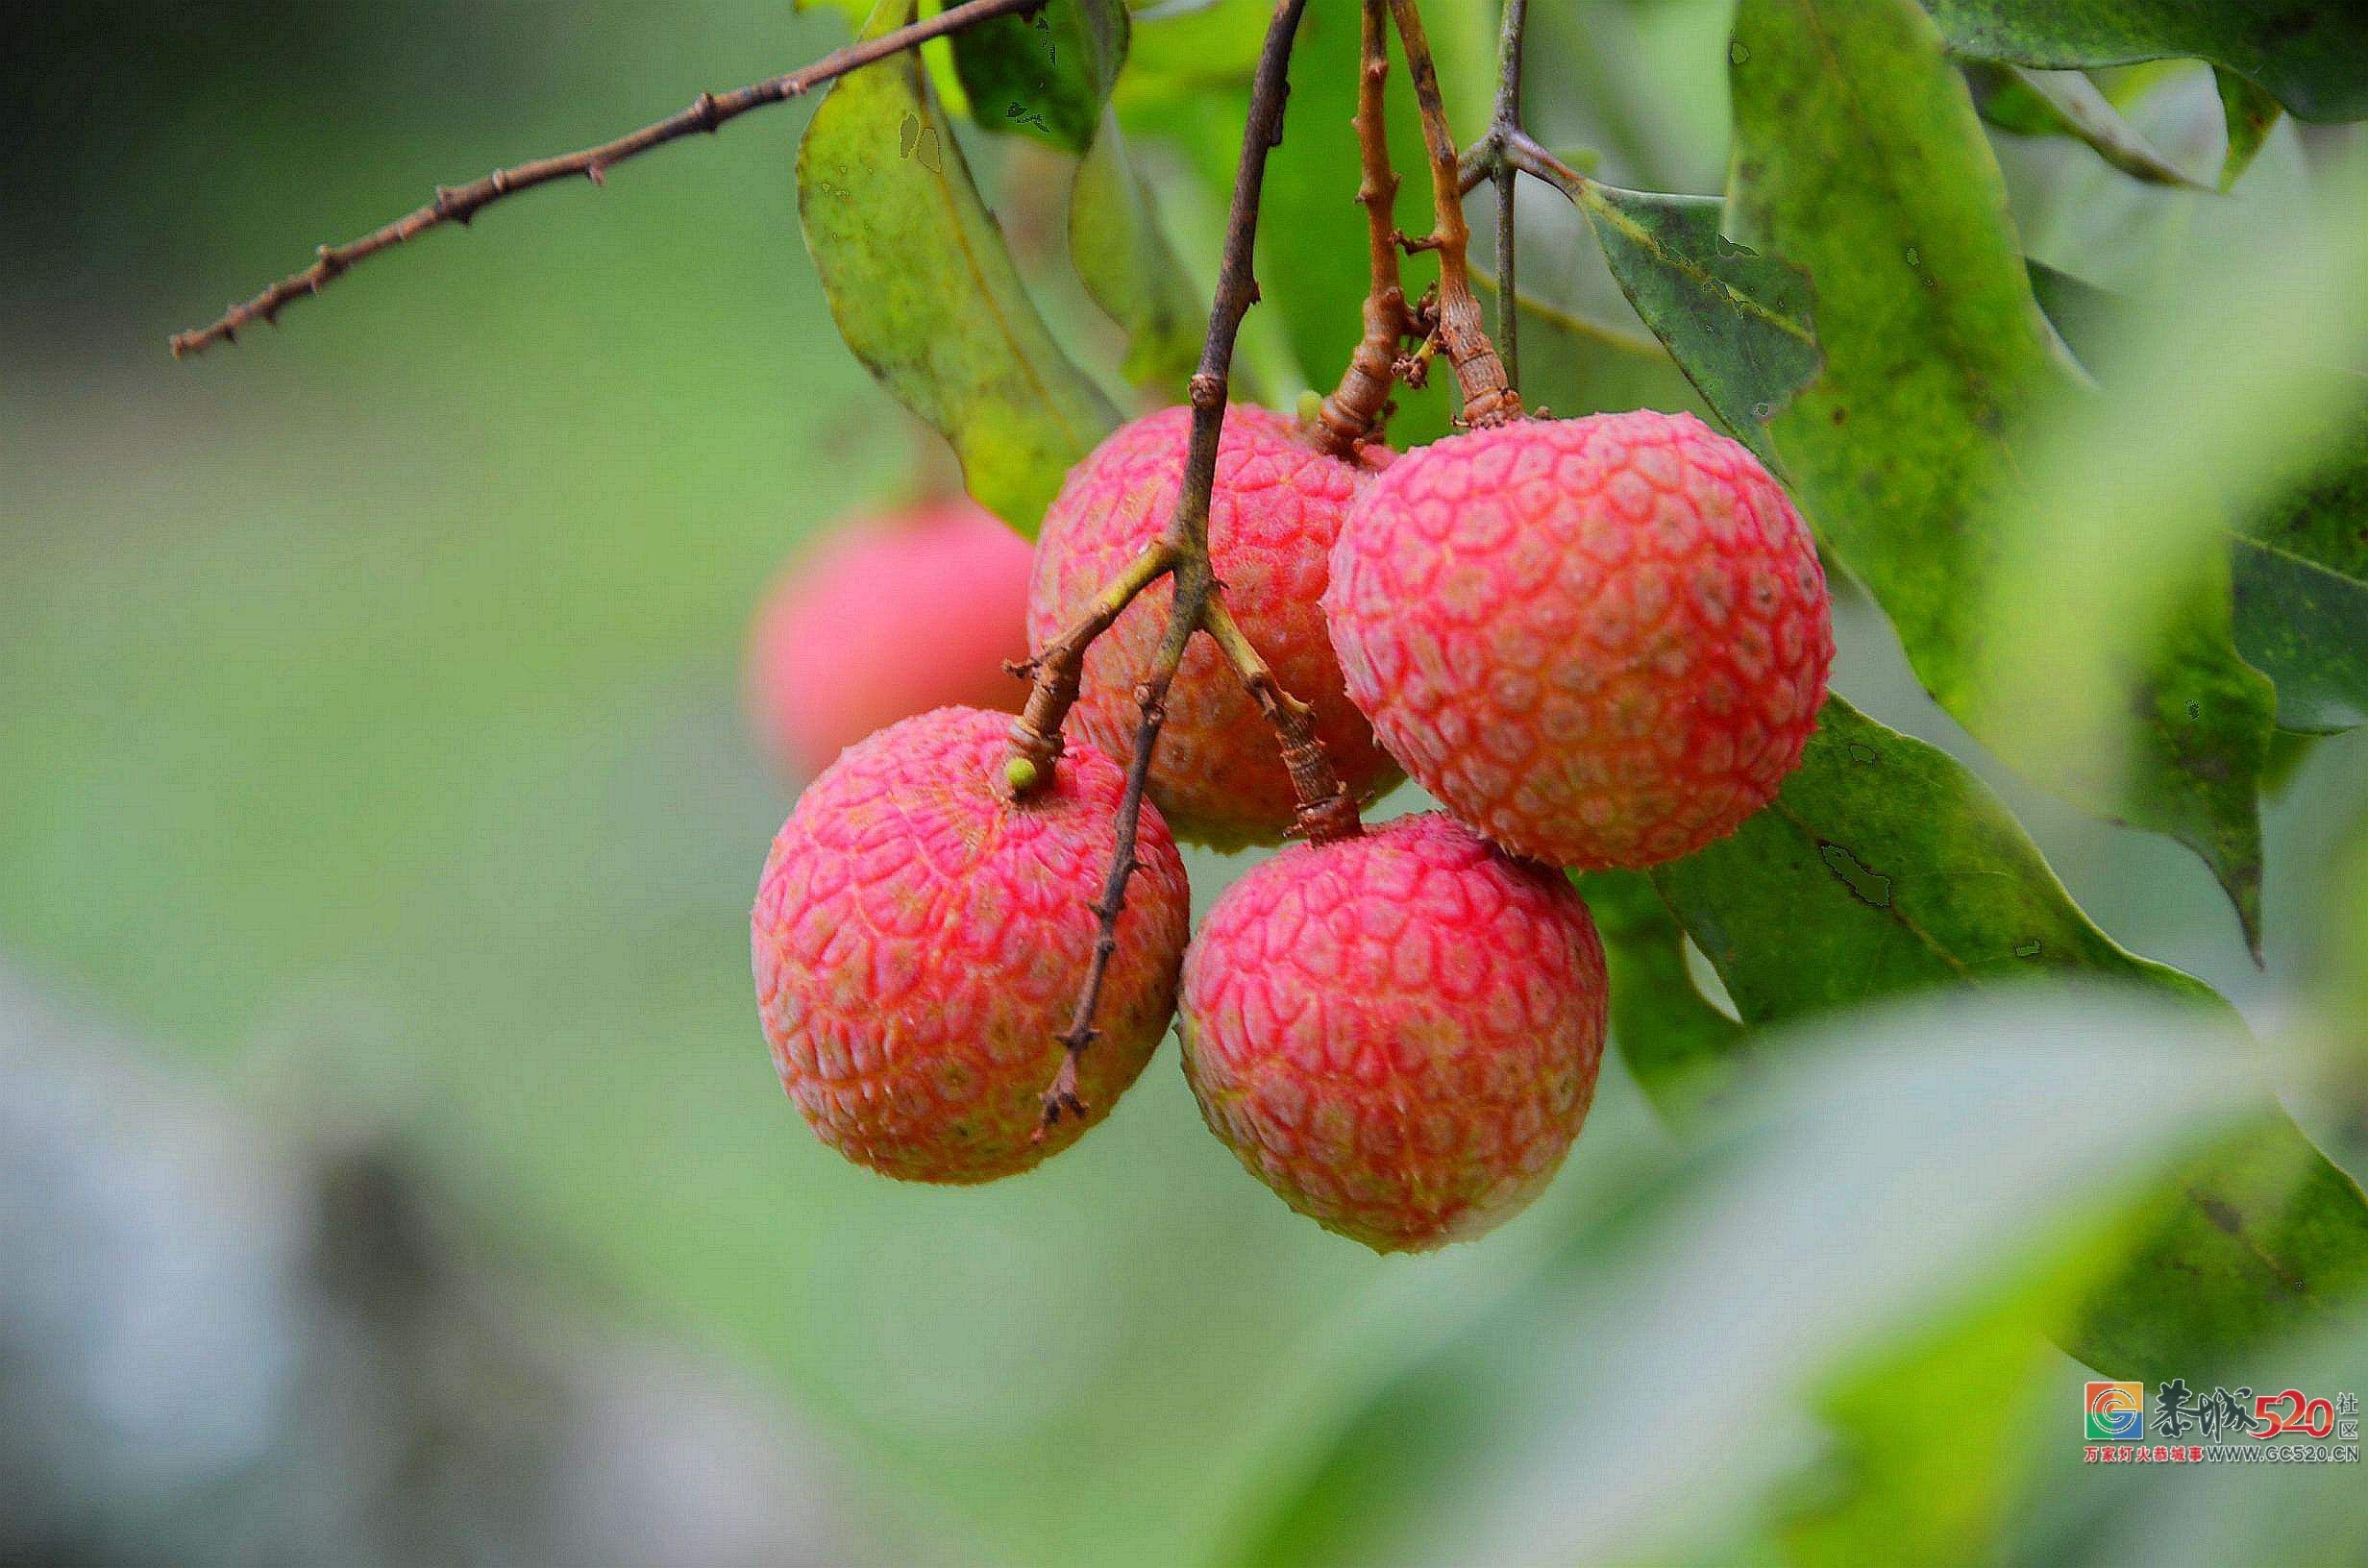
1197 605
459 204
1057 672
1488 394
1193 587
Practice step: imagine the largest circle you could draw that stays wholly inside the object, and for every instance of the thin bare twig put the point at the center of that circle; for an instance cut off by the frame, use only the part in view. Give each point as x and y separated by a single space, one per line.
1151 695
1187 535
1508 118
1357 407
459 204
1488 396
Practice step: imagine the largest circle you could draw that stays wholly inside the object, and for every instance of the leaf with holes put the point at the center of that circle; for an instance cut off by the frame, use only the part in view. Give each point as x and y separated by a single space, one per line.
1044 75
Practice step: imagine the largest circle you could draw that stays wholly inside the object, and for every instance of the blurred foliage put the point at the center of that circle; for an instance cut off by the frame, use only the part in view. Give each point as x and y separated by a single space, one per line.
2311 54
367 706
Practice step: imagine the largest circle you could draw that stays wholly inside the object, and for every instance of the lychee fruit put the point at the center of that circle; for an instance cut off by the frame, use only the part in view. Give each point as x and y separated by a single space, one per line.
920 938
1273 513
1397 1032
1602 642
897 612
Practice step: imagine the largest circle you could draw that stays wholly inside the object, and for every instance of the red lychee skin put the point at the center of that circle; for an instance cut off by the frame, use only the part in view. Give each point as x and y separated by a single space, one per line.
1276 508
896 612
1398 1033
1602 641
920 940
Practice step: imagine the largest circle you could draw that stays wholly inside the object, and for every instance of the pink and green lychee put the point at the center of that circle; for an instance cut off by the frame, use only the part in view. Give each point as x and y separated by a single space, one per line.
897 613
1400 1032
1276 508
920 937
1602 641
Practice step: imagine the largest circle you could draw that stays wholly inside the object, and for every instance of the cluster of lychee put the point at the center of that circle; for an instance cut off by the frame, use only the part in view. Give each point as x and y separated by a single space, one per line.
1597 642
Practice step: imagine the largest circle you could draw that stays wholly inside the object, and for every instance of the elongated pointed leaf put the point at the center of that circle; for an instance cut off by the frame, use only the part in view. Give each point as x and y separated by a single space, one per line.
2311 54
1125 260
1045 75
2252 115
2035 102
1858 157
1739 323
1681 1048
2298 565
1882 867
924 292
2301 571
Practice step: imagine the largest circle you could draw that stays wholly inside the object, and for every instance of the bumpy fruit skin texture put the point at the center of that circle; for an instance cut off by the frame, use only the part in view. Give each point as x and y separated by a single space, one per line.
919 941
1602 642
1398 1033
895 613
1275 509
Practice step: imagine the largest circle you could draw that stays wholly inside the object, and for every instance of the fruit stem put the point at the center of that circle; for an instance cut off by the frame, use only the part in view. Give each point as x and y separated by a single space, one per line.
1356 408
1056 673
1488 397
1326 814
458 204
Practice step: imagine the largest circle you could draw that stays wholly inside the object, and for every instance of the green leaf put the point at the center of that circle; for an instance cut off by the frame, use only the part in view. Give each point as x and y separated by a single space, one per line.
924 291
1125 260
1858 157
2252 115
2035 102
1738 322
1679 1046
1881 867
1960 1136
2311 54
2301 572
2082 312
2260 1235
1931 1480
2299 563
1045 75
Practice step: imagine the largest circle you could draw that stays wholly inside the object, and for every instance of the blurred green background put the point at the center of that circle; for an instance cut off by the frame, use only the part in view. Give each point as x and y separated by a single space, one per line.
371 749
